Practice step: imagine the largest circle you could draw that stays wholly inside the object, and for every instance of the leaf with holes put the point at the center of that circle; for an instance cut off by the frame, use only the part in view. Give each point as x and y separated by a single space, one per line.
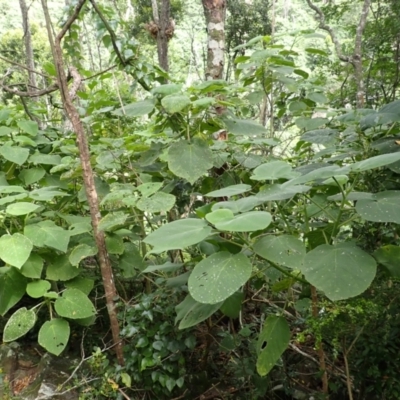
340 271
74 304
284 250
190 160
15 249
382 207
178 235
20 323
272 342
190 312
217 277
54 335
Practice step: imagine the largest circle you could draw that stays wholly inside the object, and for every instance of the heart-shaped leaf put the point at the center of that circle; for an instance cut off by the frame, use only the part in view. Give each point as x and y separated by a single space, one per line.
217 277
225 220
190 160
15 249
340 271
37 288
178 235
284 250
381 207
274 170
54 335
74 304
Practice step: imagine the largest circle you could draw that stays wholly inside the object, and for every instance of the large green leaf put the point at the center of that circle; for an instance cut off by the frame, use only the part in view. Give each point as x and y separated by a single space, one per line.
229 191
74 304
158 202
33 266
21 208
47 233
38 288
174 103
12 288
225 220
280 192
166 89
29 127
382 207
272 342
137 109
131 262
32 175
389 257
217 277
54 335
14 154
285 250
190 160
112 220
15 249
233 305
244 127
340 271
85 285
320 136
47 159
60 269
190 312
375 162
317 174
178 235
238 206
274 170
20 323
81 252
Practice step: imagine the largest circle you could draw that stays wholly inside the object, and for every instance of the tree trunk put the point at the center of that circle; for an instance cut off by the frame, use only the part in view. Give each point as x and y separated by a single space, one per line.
214 11
87 172
162 29
28 47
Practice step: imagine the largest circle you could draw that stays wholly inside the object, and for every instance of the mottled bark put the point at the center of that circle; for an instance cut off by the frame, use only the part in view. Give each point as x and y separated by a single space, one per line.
28 47
214 11
88 176
162 29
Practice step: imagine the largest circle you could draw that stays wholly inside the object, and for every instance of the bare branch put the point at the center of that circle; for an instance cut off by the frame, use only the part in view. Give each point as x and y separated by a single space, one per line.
38 93
71 20
110 31
24 67
328 29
